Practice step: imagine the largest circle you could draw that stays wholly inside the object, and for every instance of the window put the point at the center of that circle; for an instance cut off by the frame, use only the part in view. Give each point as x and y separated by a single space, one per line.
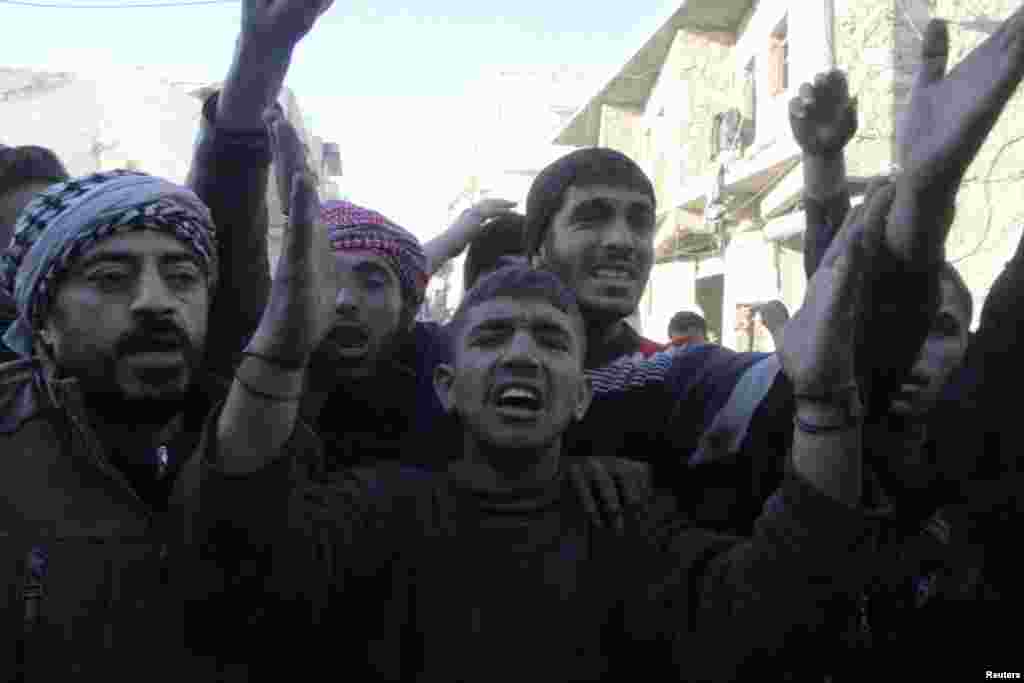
778 59
748 110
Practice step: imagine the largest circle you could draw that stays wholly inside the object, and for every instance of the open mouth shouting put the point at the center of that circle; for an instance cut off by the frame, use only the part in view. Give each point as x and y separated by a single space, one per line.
161 349
351 342
618 274
518 401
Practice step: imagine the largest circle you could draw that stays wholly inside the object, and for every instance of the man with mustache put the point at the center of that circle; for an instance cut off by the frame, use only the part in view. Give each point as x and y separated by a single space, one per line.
113 275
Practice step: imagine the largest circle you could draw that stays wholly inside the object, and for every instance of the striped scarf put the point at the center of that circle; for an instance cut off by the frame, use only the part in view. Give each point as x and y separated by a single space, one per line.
68 219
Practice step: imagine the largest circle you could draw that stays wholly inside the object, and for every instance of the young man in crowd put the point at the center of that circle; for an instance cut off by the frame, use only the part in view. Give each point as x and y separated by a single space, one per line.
720 407
687 327
113 276
24 172
379 362
444 570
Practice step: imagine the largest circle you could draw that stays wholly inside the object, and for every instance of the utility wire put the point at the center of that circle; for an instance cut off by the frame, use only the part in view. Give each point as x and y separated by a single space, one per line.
186 3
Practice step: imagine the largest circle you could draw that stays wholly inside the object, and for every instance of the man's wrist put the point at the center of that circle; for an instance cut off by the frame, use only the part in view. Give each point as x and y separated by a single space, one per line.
824 175
840 408
266 344
253 83
263 50
915 222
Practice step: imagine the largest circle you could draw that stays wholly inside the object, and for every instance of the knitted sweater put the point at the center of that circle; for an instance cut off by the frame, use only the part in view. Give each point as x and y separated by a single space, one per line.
433 579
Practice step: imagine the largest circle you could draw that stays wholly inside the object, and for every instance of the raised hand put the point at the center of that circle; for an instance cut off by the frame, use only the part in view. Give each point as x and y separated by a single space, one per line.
464 230
823 116
487 209
946 121
301 304
270 31
817 346
280 23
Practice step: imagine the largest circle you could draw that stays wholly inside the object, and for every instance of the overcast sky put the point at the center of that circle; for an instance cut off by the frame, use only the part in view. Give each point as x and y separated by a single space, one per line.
397 88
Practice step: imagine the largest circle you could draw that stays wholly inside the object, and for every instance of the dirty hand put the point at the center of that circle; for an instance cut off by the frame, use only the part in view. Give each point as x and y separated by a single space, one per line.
823 116
947 119
301 306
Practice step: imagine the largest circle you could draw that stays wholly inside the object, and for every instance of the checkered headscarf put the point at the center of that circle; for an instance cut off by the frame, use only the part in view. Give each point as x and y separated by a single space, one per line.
65 221
353 228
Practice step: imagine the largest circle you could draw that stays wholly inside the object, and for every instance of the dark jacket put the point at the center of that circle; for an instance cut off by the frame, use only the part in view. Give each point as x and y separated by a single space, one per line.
229 172
91 580
433 579
91 567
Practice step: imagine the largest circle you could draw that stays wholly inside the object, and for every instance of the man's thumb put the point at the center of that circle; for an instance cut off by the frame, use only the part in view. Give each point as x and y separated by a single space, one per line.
934 53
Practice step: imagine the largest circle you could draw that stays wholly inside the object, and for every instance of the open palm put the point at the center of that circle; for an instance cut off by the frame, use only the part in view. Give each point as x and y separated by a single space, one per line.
949 115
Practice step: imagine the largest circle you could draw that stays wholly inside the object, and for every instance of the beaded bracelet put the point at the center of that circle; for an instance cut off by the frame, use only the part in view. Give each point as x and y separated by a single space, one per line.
812 429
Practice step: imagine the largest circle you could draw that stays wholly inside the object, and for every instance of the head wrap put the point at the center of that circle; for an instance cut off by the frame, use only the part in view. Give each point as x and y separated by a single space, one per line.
65 221
353 228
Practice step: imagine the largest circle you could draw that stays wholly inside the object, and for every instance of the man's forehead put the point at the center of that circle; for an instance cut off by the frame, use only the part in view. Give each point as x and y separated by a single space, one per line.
616 195
353 259
140 243
513 308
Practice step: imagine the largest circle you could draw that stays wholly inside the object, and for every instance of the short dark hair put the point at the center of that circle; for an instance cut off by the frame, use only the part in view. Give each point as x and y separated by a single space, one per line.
687 320
517 281
22 165
501 237
952 275
582 168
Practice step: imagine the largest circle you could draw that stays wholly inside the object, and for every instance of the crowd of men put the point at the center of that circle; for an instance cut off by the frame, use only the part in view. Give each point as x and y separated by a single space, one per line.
211 472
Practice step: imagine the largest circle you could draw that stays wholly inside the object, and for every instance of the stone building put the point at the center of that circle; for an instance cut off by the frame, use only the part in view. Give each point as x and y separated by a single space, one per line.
703 107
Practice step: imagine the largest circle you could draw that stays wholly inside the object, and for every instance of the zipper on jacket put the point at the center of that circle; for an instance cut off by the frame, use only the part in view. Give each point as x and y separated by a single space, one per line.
34 587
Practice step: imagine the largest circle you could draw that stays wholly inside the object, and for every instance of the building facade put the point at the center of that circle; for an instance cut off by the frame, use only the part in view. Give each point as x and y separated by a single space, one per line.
703 107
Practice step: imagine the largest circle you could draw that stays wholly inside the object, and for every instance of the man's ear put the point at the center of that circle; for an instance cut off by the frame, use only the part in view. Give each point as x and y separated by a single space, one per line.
584 397
444 386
